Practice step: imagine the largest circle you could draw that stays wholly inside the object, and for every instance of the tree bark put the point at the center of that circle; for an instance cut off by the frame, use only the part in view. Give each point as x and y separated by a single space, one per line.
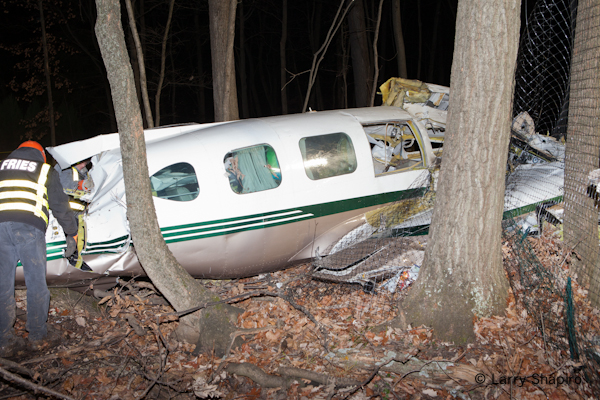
361 56
376 55
179 288
222 32
320 54
199 63
140 59
582 150
462 275
282 60
399 39
163 58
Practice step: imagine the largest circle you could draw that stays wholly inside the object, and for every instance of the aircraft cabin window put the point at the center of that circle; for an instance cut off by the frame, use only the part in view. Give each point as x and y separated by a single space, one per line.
252 169
177 182
328 155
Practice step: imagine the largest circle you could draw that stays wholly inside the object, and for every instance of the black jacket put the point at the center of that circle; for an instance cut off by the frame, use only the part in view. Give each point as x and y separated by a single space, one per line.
57 200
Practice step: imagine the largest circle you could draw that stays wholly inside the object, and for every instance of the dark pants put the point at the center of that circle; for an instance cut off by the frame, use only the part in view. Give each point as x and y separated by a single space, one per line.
19 241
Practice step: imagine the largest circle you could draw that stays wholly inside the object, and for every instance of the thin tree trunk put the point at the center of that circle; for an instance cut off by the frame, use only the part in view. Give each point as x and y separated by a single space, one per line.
163 57
178 287
140 59
345 66
200 94
48 80
282 60
359 49
174 115
462 275
582 150
399 39
341 66
222 33
320 54
376 55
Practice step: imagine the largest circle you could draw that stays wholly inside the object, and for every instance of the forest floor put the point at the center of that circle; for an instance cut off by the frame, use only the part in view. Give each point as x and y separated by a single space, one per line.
303 339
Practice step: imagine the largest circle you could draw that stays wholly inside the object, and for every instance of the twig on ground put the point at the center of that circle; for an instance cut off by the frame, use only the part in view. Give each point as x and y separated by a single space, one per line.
32 386
11 365
104 341
288 375
135 324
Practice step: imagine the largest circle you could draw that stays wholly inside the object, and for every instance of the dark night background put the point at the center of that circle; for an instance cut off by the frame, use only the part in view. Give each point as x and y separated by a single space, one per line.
82 96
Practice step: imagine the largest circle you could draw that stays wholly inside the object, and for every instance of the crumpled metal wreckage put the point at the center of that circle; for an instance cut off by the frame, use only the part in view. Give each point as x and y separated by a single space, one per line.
241 198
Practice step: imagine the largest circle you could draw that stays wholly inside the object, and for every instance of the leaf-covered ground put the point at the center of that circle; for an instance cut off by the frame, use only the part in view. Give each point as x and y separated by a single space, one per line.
303 339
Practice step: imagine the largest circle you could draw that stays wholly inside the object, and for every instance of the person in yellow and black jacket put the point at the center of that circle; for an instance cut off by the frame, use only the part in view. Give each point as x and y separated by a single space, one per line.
29 188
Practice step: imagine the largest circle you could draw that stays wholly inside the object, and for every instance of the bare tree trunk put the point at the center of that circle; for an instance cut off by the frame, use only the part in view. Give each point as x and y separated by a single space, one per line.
376 55
222 33
341 89
582 150
399 39
282 60
462 275
140 59
361 56
180 289
163 57
48 80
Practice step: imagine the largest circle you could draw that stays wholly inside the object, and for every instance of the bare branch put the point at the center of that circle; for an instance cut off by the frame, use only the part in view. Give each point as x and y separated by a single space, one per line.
32 386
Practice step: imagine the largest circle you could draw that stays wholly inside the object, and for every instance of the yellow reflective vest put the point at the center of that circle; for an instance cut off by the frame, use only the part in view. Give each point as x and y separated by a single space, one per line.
23 192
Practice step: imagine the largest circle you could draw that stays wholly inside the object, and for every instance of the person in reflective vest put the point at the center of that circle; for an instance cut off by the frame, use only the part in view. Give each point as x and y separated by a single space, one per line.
29 189
75 180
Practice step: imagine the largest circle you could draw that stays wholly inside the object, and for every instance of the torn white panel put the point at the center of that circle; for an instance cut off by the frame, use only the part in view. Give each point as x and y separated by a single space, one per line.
547 144
532 183
71 153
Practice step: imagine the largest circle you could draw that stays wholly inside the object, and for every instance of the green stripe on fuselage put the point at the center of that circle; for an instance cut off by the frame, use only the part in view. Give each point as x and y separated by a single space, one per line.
181 233
265 220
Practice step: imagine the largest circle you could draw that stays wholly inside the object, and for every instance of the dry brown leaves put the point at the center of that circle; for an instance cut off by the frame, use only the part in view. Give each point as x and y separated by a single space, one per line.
105 357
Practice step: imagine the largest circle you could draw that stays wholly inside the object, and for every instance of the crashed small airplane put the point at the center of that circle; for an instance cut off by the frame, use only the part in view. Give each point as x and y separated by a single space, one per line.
245 197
